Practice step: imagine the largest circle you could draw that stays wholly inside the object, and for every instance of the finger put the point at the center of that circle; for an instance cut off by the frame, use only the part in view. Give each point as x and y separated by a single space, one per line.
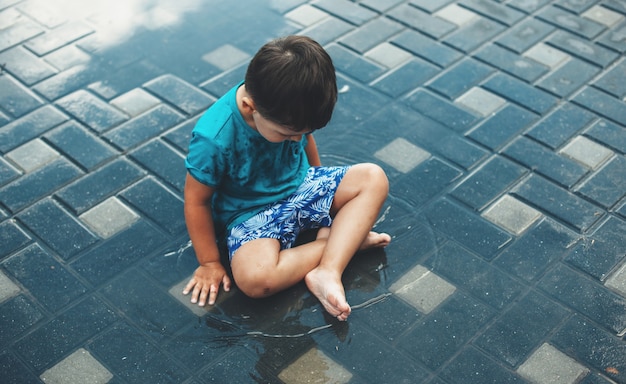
213 294
195 293
189 285
203 296
226 283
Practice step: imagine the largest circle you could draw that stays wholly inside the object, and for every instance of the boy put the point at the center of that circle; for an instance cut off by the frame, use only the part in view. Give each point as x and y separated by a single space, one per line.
255 179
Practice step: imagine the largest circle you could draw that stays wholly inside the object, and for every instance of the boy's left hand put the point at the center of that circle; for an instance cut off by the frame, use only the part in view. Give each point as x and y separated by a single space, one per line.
206 282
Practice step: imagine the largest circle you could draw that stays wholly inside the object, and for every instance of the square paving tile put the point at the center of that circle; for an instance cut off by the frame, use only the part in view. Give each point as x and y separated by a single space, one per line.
32 155
109 217
422 289
402 155
79 367
617 281
315 367
586 152
548 365
456 14
226 57
603 15
135 102
547 55
8 288
306 15
388 55
481 101
511 214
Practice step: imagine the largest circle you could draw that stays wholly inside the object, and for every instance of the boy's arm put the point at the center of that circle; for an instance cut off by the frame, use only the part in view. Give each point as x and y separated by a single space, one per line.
311 151
210 274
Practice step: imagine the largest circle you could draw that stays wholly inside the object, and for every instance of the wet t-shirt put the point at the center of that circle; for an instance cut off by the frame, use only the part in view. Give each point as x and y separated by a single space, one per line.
247 171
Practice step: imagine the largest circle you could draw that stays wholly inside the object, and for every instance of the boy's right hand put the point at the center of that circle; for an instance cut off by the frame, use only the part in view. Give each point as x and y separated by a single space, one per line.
206 283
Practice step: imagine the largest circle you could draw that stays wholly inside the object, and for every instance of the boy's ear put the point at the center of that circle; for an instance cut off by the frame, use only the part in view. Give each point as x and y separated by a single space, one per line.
248 104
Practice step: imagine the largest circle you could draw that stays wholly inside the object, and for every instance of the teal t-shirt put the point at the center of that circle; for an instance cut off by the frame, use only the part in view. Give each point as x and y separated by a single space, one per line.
247 171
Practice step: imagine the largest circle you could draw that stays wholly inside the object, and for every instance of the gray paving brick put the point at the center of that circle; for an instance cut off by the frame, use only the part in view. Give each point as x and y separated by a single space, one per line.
32 155
135 102
402 155
525 34
306 15
25 66
603 15
422 289
79 367
582 48
547 55
617 281
346 10
315 365
388 55
109 217
8 288
421 21
558 203
456 14
371 34
480 101
587 152
549 365
512 215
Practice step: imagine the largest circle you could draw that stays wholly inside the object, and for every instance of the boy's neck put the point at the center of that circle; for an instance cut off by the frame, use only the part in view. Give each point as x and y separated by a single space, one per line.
244 108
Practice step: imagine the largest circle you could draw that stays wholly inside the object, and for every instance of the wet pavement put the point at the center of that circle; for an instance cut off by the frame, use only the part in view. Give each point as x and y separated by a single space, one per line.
501 125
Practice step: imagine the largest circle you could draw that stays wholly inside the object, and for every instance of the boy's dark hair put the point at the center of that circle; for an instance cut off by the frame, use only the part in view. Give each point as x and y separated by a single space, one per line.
292 82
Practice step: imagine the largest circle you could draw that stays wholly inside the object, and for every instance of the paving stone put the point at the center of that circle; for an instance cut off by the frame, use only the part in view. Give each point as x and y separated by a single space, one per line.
456 14
402 155
14 34
547 55
14 370
116 254
524 35
483 369
406 78
371 34
546 162
8 289
67 237
144 127
180 94
611 81
12 238
79 367
489 181
560 125
502 126
25 66
347 10
512 215
582 48
603 104
67 57
329 30
586 297
46 15
381 5
587 152
466 228
98 185
32 266
180 136
603 15
135 102
599 253
390 319
573 75
581 26
521 328
426 48
109 217
615 39
460 78
528 6
425 181
558 203
437 337
315 366
617 281
15 99
422 289
112 84
228 56
17 316
472 274
549 365
238 365
162 161
306 15
80 145
608 185
611 135
430 5
388 55
536 250
576 6
91 111
38 184
511 63
58 37
145 363
480 101
472 35
615 5
442 111
58 337
32 155
521 93
158 203
421 21
582 340
7 172
356 65
498 12
65 82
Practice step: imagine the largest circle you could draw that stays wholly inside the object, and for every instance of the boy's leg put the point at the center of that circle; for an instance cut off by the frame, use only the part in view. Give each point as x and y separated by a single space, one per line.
356 205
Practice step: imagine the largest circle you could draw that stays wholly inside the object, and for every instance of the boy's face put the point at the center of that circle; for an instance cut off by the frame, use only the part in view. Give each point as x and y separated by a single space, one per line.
274 132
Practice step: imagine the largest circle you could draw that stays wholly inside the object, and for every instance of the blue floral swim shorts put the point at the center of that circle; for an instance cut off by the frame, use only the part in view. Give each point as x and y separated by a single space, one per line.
307 208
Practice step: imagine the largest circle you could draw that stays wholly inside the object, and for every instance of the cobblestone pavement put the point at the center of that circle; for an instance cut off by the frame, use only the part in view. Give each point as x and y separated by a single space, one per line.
501 125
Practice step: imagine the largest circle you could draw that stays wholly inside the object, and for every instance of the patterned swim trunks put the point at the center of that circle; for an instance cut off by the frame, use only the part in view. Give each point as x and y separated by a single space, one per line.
307 208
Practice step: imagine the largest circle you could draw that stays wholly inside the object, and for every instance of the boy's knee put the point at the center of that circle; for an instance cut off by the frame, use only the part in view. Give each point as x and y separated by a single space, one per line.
254 285
376 177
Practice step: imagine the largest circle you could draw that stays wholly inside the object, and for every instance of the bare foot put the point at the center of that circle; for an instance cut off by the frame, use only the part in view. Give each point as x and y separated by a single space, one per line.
373 239
327 287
